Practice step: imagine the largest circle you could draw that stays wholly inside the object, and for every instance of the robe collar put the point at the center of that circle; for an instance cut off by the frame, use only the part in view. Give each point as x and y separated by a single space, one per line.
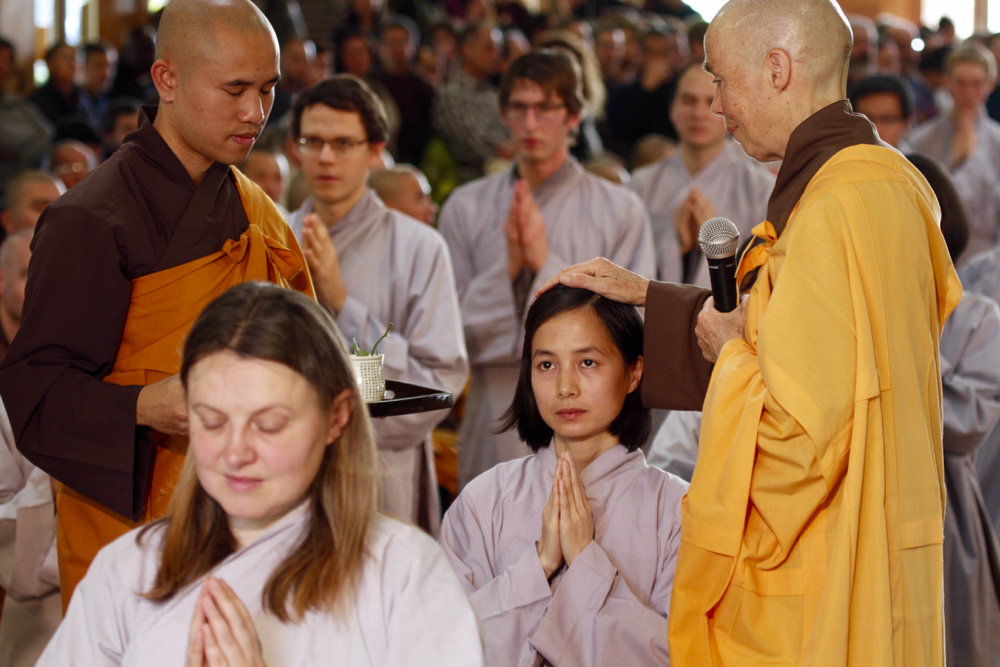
817 139
560 178
604 465
155 150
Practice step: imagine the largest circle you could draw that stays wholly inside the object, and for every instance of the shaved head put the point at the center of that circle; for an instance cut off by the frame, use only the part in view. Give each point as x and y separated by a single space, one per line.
775 63
814 33
191 31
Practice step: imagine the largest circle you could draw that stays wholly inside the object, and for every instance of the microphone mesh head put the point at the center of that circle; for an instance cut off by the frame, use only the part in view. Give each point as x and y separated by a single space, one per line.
718 238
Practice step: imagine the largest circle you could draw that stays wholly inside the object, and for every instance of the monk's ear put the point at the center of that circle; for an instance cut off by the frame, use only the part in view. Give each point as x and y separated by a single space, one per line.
165 79
777 69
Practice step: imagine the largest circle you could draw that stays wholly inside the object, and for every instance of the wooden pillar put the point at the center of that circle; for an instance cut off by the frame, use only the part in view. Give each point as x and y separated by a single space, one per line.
907 9
115 17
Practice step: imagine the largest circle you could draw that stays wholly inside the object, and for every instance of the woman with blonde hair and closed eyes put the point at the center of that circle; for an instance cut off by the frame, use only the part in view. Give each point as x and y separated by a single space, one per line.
274 552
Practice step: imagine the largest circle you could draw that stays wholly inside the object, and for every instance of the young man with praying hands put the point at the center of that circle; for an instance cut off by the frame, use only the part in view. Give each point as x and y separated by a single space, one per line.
510 232
374 266
812 531
123 265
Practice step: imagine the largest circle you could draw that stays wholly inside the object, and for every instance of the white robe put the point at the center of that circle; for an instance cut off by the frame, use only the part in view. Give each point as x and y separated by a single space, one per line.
975 179
29 572
610 606
409 609
737 186
675 444
585 217
398 270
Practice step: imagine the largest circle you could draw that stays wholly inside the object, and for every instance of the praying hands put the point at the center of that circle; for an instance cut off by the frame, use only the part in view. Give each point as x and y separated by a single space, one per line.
567 520
524 228
323 262
222 633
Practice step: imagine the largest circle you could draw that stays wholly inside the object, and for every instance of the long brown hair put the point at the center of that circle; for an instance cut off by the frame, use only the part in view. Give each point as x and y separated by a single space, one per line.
261 321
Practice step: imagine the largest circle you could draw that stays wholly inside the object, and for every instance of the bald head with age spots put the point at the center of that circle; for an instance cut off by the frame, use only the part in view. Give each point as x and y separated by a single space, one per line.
775 63
215 71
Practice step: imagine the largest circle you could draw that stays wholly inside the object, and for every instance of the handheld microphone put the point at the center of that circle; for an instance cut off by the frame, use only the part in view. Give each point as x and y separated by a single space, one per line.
718 239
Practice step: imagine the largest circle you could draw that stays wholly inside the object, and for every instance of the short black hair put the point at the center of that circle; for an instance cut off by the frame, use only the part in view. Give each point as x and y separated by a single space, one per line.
404 23
6 44
885 83
50 54
345 92
117 107
633 424
954 222
99 47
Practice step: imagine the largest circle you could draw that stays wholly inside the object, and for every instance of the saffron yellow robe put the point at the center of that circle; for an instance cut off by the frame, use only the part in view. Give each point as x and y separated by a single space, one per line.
812 531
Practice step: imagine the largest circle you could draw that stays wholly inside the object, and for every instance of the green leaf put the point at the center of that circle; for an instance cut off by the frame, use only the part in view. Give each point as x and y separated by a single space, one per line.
387 330
358 352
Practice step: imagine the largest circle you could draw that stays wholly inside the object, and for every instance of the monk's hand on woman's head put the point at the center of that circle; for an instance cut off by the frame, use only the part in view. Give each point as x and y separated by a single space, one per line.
715 329
230 637
604 277
549 549
323 263
163 406
576 520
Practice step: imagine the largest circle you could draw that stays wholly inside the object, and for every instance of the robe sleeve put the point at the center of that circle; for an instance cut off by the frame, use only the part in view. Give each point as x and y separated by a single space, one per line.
595 619
486 296
971 375
509 604
427 349
65 420
95 631
429 619
676 375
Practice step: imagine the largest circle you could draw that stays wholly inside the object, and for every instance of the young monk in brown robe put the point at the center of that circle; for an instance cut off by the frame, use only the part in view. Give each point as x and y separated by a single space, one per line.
125 262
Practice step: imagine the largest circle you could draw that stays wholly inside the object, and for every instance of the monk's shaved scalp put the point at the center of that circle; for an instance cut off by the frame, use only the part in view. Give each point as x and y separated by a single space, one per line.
191 31
387 182
8 249
814 33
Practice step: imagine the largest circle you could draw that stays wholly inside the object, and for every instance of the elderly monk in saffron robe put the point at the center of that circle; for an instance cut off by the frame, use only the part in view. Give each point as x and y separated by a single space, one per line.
812 530
124 263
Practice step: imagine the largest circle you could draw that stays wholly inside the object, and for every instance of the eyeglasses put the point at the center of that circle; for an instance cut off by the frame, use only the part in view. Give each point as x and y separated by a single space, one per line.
339 145
543 111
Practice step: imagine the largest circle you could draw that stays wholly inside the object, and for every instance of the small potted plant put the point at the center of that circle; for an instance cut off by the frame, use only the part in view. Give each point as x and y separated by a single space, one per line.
368 370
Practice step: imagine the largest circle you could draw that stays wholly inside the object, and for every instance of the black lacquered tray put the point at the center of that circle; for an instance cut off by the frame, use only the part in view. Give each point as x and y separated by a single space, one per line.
409 398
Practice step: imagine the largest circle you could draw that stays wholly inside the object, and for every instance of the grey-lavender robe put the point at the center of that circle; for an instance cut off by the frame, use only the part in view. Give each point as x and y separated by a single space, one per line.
975 179
398 270
610 606
970 377
408 610
585 217
737 186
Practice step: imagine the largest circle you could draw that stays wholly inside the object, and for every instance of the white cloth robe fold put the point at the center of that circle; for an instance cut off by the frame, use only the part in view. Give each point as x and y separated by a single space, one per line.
409 610
981 275
675 444
29 572
585 217
970 378
737 186
398 270
975 179
608 608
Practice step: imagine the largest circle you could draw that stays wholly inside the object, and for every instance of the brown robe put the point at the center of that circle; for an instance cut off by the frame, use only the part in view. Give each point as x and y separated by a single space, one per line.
677 375
143 223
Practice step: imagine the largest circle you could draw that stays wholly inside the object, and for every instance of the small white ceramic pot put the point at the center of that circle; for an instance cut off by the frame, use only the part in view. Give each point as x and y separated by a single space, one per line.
371 382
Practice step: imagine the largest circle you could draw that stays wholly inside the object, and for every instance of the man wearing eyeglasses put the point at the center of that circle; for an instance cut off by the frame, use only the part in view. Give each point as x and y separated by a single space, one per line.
373 266
510 232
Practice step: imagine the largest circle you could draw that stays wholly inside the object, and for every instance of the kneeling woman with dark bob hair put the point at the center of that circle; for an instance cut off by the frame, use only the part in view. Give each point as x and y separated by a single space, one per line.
273 552
568 554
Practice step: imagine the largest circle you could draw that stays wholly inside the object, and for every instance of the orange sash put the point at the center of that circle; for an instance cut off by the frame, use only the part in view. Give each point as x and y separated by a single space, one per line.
163 307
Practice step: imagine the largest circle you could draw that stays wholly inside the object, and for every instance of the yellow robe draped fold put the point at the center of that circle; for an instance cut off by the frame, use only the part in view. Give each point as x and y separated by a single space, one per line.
164 306
812 531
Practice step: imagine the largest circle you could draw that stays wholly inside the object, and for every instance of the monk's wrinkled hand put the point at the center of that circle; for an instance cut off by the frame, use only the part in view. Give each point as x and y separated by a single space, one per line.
231 638
715 329
534 237
604 277
576 520
549 549
323 263
163 406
